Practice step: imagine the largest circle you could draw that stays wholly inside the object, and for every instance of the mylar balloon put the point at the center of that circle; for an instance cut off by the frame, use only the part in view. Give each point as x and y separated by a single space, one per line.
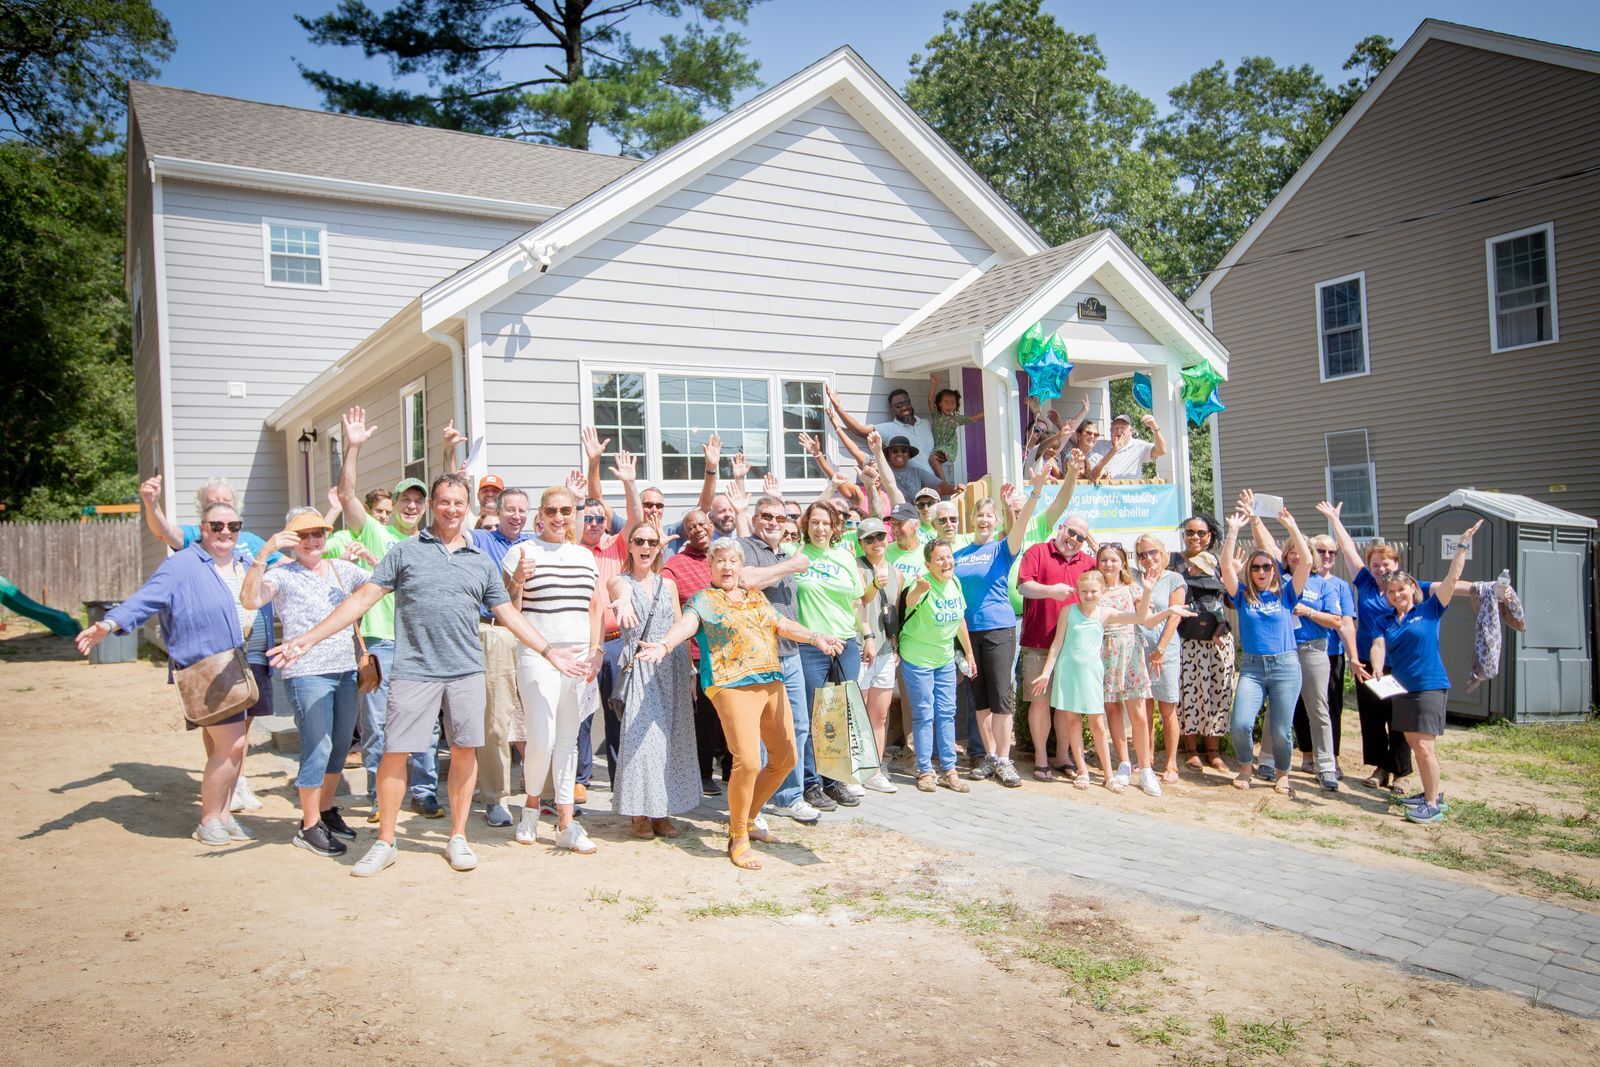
1030 346
1199 382
1142 392
1046 379
1199 413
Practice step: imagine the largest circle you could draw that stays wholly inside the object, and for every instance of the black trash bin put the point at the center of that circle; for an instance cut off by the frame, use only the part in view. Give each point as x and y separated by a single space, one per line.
119 647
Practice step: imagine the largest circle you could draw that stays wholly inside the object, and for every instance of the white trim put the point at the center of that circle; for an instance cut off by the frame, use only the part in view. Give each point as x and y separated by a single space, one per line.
477 426
1430 30
413 388
842 72
1372 488
1215 423
343 189
1360 278
169 476
1549 231
267 223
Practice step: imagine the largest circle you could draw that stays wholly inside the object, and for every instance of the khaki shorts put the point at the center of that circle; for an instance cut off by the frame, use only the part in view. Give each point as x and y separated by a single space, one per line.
1033 665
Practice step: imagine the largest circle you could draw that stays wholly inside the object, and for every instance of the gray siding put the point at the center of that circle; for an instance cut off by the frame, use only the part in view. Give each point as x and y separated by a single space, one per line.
1441 410
227 325
141 255
801 250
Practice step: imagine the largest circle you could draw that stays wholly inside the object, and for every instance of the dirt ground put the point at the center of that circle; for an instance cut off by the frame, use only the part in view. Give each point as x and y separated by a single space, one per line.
127 942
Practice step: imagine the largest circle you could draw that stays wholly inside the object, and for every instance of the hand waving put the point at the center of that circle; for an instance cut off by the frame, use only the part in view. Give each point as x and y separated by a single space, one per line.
356 430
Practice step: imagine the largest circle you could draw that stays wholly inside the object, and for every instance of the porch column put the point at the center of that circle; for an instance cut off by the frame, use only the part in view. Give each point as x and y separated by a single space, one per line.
1167 396
1002 431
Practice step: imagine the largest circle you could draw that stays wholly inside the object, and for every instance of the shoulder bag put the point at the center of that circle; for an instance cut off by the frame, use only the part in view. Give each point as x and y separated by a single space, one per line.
219 686
619 691
369 672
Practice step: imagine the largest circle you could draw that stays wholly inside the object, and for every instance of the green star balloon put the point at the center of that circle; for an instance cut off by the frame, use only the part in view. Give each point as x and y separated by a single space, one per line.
1199 382
1031 345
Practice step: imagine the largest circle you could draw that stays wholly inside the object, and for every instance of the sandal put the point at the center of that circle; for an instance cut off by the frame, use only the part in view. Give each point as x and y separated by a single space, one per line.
1219 764
1081 782
1284 787
739 854
759 831
1114 784
1242 780
642 828
667 828
1170 775
1043 774
925 782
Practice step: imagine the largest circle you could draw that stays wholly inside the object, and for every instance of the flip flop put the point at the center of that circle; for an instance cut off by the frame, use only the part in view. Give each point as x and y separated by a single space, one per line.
1242 780
740 856
1041 775
1169 777
1081 782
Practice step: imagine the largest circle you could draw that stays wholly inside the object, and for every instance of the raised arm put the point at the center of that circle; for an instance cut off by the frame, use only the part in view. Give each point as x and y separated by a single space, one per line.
624 468
708 483
1018 533
593 449
1229 560
855 426
1258 529
885 472
739 497
1445 590
356 433
258 590
1160 443
1352 555
859 457
164 529
1302 551
1069 482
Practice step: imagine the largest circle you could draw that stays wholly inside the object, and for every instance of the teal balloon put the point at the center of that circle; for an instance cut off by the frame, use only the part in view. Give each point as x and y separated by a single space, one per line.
1030 346
1199 383
1142 391
1211 405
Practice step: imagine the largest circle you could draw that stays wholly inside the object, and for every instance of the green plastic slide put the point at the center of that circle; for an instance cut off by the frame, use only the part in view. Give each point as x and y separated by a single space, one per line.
60 623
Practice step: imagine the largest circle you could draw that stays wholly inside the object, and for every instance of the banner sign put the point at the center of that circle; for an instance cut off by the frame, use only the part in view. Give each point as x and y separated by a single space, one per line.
1116 509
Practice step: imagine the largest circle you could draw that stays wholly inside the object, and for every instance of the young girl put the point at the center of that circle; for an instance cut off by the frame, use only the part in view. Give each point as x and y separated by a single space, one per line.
944 411
1127 679
1075 670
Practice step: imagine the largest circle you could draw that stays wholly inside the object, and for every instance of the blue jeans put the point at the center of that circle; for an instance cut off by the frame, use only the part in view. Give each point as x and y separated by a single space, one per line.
932 692
804 775
375 715
325 707
1276 680
814 665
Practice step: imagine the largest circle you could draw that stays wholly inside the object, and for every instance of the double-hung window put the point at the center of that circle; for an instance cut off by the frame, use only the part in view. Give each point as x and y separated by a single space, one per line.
666 416
295 254
1522 288
1352 480
414 430
1342 326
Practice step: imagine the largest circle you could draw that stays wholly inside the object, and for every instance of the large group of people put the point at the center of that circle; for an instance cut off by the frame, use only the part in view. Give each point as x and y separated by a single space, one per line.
484 621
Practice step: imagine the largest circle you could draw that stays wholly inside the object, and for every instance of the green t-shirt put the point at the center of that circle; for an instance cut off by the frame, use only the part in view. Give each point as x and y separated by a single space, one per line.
908 562
926 533
928 632
827 591
378 623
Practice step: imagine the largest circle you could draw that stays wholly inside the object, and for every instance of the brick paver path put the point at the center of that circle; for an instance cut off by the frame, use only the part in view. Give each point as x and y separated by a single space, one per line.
1423 922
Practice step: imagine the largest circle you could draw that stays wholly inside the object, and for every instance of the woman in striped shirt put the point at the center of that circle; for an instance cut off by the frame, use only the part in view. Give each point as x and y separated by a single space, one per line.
551 580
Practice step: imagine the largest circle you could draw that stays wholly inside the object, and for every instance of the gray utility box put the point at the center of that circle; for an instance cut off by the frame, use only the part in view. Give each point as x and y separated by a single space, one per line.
1546 673
119 647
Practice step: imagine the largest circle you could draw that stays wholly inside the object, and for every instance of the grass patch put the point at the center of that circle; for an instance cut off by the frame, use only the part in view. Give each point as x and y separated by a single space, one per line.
1093 975
1277 1038
733 909
1440 855
1562 883
1548 753
1305 815
1165 1032
643 907
605 896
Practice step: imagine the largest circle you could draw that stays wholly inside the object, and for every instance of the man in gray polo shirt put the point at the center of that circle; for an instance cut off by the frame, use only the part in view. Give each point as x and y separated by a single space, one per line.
439 579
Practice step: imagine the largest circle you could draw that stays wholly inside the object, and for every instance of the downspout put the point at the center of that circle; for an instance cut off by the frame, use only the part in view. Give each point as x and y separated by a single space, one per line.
457 380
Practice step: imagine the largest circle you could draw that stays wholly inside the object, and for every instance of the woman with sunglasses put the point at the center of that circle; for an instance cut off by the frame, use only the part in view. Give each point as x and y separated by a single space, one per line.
1207 651
558 599
1325 621
322 682
737 630
880 662
1269 669
1168 589
1127 678
935 618
658 774
195 592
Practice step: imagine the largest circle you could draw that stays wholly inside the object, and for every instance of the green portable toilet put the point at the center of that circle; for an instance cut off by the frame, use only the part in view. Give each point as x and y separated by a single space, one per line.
1547 672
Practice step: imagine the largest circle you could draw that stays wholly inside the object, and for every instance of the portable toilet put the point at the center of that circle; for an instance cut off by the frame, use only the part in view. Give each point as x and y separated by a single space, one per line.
1546 672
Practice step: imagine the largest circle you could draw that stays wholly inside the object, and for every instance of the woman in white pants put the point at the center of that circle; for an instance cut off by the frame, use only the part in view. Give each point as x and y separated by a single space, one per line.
551 580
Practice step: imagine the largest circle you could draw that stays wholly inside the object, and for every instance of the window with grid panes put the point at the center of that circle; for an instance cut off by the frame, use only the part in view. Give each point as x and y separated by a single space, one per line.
802 413
619 403
691 409
1522 291
294 254
1341 323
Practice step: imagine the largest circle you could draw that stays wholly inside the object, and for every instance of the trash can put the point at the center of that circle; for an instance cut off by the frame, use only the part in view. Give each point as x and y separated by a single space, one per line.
120 647
1546 673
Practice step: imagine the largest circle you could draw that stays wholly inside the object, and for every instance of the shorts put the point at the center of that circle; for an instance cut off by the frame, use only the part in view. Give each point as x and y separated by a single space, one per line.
994 687
262 706
414 704
1418 713
1033 665
1167 684
881 674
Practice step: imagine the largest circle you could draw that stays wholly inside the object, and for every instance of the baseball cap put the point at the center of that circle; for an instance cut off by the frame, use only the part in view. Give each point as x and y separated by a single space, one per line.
409 483
928 494
870 526
904 513
303 523
1123 418
492 480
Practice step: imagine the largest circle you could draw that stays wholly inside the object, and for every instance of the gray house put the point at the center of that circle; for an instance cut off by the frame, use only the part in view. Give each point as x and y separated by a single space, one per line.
287 264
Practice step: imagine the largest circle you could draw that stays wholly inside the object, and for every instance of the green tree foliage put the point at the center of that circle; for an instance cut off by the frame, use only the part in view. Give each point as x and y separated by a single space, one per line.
551 71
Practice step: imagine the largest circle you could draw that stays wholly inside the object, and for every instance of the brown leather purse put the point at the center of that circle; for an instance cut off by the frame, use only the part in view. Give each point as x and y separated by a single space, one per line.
217 687
369 674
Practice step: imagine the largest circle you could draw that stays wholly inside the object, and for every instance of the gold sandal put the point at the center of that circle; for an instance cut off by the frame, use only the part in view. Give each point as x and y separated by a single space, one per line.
740 856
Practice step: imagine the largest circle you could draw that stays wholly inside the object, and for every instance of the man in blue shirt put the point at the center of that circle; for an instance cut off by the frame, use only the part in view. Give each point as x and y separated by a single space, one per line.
502 705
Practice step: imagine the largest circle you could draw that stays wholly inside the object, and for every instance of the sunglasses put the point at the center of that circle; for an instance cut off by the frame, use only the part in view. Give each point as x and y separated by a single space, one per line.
1111 544
594 520
872 539
554 510
924 505
645 542
1262 567
947 518
1327 552
1151 553
654 506
1074 535
772 516
231 527
1195 533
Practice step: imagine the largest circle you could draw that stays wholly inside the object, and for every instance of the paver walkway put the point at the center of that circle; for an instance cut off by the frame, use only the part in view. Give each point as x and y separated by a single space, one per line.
1431 924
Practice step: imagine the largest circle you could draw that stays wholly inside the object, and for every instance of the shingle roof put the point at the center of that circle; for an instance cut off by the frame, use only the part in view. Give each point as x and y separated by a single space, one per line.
185 124
990 298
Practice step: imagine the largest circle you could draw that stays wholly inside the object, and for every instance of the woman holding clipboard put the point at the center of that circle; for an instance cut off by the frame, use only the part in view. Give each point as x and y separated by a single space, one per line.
1409 644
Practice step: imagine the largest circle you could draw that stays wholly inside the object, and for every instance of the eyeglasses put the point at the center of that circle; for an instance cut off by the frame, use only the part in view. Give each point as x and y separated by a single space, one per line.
594 520
1195 533
551 509
1074 535
231 527
1111 544
948 518
1150 553
1261 567
654 505
1330 552
645 542
872 539
771 516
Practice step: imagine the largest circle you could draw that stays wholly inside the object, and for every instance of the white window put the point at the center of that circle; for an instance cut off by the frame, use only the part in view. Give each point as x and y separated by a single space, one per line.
295 254
1522 288
665 417
1352 479
414 443
1342 326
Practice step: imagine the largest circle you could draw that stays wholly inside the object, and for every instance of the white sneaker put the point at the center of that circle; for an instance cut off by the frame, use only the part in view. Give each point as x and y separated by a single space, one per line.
574 839
380 857
799 811
235 831
760 823
1149 783
460 854
879 783
528 828
212 833
855 789
1124 774
244 798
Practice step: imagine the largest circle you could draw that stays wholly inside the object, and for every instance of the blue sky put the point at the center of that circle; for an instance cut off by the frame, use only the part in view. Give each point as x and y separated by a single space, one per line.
248 48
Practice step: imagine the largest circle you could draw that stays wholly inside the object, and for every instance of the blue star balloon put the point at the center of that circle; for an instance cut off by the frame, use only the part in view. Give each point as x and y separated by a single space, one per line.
1048 374
1030 346
1199 413
1199 382
1142 392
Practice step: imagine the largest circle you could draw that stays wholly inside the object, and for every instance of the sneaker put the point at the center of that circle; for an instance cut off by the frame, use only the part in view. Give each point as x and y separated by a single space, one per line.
580 793
1149 784
528 828
235 831
856 789
760 823
460 854
1124 774
710 788
336 824
1266 772
799 811
840 795
547 807
373 818
982 770
1419 798
1329 781
951 781
317 839
1005 772
820 800
244 798
497 814
212 833
879 783
427 807
380 857
1425 812
574 839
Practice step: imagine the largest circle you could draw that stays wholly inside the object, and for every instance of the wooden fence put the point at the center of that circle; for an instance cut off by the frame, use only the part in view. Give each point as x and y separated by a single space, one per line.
62 564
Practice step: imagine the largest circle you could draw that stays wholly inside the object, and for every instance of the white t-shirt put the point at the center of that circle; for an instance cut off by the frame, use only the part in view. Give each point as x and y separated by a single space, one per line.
1127 463
556 599
919 433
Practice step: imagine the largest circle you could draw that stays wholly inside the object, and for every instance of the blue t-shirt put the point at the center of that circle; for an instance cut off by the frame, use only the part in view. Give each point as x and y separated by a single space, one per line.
1266 626
1330 595
495 545
982 571
1412 647
1373 612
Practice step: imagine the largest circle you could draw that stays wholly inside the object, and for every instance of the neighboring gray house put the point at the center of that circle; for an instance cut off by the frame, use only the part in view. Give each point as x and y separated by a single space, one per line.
801 239
1419 309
